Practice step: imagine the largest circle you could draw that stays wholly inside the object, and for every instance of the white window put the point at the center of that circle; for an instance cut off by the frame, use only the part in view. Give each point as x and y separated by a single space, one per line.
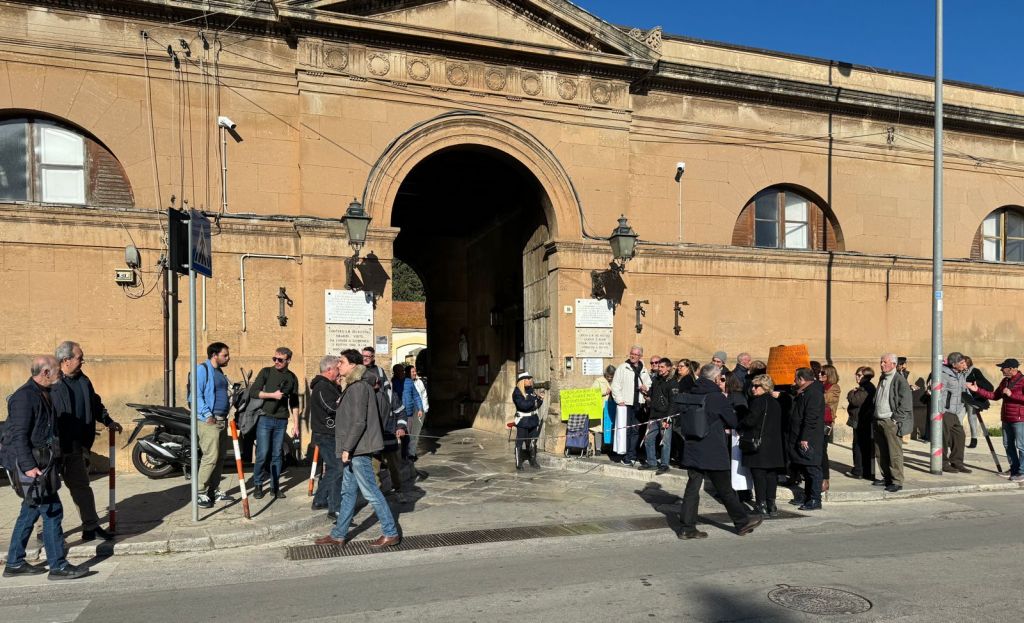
41 161
782 220
1002 236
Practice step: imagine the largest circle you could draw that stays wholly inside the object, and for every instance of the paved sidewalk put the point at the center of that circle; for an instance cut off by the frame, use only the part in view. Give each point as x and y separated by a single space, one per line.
918 479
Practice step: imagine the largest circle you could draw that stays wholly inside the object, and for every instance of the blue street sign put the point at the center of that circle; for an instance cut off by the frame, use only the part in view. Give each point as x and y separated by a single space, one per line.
202 250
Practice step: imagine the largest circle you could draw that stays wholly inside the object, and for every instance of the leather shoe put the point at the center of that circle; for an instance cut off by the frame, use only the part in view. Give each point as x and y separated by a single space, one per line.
89 535
693 534
810 506
963 469
330 540
752 523
68 572
894 488
880 483
386 541
278 494
662 469
318 507
24 569
258 492
974 443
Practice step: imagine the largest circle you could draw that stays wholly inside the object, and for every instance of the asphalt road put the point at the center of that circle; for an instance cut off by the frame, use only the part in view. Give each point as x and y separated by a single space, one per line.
948 559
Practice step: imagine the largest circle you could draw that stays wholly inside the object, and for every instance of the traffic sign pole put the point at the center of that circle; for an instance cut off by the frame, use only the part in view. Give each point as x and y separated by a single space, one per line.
193 368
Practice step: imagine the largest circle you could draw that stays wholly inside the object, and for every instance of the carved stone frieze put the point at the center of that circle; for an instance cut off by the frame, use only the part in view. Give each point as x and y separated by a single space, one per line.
418 69
336 58
378 63
458 74
651 38
495 78
567 89
600 93
532 84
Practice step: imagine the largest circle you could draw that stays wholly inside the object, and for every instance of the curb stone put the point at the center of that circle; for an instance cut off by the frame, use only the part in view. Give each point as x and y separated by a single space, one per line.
676 482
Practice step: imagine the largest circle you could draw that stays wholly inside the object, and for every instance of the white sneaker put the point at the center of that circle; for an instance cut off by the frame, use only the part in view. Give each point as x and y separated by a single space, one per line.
220 496
1017 478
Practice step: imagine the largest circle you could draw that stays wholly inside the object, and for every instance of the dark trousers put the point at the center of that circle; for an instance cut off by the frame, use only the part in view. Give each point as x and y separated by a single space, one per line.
825 471
74 471
632 433
953 440
766 482
812 482
721 479
526 441
328 491
863 450
889 450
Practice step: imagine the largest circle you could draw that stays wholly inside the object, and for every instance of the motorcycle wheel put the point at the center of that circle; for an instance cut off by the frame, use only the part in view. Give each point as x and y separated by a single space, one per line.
149 466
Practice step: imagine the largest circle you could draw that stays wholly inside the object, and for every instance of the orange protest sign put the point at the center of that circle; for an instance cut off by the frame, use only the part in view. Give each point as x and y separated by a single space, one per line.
783 362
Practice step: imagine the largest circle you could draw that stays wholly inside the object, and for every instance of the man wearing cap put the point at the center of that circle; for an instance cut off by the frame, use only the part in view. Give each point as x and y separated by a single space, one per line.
1011 392
527 403
719 359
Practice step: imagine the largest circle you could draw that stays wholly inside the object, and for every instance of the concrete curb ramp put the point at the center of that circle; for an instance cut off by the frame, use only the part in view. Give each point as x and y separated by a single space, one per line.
675 481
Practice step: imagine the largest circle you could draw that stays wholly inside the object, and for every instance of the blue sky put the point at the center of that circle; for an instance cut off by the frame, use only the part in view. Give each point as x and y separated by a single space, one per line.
984 39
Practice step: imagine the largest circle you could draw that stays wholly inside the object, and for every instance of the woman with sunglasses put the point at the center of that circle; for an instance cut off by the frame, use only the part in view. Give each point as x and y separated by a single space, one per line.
764 423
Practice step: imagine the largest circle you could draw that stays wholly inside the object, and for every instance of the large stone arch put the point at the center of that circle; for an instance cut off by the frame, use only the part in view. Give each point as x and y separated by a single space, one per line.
462 128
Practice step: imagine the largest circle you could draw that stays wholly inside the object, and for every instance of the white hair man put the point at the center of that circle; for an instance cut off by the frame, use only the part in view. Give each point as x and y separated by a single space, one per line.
629 391
894 412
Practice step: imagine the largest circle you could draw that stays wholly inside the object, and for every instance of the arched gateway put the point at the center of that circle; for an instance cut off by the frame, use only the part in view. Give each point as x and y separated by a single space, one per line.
477 200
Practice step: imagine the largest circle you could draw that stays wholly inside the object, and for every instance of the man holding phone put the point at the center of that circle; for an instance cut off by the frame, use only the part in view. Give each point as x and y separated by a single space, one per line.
278 387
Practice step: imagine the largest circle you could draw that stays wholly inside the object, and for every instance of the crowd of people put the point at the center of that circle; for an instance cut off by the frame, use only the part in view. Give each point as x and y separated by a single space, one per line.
768 434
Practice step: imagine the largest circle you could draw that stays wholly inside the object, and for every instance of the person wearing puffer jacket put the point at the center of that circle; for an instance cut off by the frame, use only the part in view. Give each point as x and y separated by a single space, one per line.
1011 392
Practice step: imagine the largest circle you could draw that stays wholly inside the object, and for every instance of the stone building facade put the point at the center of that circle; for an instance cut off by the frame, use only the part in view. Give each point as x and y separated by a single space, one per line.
494 143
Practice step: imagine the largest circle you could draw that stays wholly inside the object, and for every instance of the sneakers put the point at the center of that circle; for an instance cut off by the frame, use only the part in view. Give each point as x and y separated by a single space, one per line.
204 501
89 535
627 462
643 467
894 488
69 572
662 469
1017 478
220 496
24 569
693 534
813 505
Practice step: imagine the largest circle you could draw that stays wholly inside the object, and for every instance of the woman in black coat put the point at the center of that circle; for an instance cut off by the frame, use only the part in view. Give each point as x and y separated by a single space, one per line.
861 410
764 421
807 435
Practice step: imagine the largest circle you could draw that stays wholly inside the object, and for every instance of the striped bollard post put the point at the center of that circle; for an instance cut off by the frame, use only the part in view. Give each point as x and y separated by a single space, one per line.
312 470
238 466
112 501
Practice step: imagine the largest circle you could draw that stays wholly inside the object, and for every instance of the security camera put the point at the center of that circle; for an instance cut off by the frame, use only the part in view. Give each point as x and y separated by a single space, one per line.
680 169
226 123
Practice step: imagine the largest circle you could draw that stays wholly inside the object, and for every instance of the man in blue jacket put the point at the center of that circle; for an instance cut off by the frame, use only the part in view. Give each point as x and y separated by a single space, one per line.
213 405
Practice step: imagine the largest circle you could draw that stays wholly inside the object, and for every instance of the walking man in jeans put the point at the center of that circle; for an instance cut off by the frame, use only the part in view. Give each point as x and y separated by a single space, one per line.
213 405
31 454
278 387
323 403
359 437
78 407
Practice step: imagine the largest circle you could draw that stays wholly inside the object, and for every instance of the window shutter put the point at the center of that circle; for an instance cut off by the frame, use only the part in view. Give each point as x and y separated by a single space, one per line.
108 184
976 245
743 231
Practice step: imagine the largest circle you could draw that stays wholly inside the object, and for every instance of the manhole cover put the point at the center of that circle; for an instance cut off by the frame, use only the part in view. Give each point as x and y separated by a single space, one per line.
819 600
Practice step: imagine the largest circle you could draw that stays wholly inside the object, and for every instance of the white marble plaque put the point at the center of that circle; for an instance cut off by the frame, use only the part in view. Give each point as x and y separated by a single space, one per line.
348 307
592 342
593 366
594 313
342 336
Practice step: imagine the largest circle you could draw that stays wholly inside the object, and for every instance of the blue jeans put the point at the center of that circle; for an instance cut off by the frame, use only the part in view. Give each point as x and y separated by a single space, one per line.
269 437
328 492
359 475
1013 441
53 535
651 442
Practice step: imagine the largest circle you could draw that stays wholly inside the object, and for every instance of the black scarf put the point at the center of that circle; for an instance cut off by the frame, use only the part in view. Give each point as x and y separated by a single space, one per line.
637 369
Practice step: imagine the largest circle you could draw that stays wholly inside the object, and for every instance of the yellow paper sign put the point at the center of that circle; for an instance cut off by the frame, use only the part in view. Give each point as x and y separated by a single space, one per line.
588 402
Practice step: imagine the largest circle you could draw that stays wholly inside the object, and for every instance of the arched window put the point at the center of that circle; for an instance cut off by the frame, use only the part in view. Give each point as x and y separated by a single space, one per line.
42 161
781 217
1001 236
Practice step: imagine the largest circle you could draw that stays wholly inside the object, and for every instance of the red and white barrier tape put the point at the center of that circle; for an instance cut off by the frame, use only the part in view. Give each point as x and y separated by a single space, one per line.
312 470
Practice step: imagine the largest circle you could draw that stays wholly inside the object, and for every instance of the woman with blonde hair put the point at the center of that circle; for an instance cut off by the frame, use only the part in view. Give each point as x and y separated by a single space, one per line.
527 420
604 383
829 377
763 425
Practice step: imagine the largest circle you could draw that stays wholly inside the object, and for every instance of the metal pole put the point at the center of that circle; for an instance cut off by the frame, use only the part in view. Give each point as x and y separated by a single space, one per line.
223 170
679 203
193 406
934 408
172 333
167 333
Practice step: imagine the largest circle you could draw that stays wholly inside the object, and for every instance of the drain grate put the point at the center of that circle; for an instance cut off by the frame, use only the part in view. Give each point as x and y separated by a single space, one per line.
499 535
819 600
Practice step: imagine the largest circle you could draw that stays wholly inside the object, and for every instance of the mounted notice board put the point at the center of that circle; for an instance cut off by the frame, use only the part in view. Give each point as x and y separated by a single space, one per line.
582 401
783 362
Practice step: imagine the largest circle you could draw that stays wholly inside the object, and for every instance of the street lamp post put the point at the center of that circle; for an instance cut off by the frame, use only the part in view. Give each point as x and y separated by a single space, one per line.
623 243
357 223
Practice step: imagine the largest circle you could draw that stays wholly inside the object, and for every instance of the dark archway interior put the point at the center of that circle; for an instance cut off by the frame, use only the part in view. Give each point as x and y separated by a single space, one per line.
466 215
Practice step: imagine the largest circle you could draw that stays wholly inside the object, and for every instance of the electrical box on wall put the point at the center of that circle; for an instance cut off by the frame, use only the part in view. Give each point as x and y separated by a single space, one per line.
124 277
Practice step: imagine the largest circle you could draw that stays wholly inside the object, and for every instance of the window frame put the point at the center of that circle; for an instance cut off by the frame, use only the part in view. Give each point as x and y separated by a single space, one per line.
1001 236
782 221
36 166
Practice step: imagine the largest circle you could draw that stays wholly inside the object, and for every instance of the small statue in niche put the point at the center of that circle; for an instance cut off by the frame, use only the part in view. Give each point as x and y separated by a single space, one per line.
463 349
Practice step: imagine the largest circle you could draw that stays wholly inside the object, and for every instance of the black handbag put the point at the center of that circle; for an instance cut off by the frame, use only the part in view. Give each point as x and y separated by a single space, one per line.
750 444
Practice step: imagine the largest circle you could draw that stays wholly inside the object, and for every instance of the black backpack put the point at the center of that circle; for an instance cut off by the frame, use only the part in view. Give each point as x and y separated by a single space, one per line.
693 420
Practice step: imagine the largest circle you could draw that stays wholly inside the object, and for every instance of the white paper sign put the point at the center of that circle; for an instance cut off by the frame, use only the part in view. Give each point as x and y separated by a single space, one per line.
348 307
342 336
593 366
593 342
594 313
381 345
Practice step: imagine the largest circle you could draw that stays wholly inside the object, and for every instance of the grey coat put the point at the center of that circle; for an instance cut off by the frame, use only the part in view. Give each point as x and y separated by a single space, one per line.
901 401
357 428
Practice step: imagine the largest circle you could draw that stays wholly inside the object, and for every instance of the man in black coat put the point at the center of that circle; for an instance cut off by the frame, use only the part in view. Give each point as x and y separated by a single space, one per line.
324 395
709 457
79 407
807 435
31 456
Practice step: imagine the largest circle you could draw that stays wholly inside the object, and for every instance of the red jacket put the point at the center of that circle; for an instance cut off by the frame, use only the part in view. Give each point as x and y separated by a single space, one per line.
1013 405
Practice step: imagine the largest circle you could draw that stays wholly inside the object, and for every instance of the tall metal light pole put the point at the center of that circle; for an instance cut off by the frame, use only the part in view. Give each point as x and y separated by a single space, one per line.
934 407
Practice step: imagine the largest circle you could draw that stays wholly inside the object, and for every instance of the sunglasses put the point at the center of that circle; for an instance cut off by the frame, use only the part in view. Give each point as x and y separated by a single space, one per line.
278 359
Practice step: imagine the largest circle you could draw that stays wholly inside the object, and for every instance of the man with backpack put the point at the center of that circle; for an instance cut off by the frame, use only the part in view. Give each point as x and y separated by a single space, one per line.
1011 392
30 452
211 415
704 417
